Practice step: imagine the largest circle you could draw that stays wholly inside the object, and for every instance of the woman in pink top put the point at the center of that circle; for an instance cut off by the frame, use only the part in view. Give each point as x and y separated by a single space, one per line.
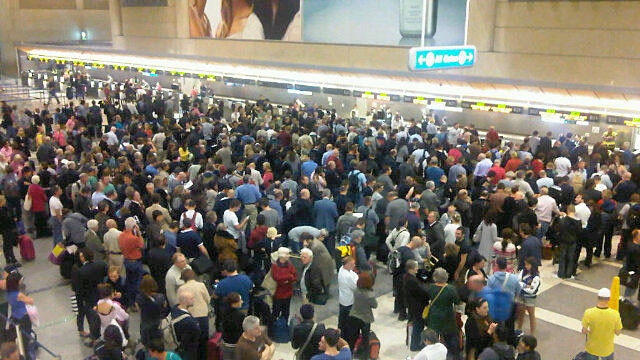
71 124
7 150
109 311
506 249
59 136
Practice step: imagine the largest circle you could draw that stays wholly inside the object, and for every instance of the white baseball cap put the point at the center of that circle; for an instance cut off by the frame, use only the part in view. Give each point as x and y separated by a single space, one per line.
604 293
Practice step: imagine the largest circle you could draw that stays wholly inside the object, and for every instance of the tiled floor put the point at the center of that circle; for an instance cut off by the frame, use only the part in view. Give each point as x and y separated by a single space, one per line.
559 310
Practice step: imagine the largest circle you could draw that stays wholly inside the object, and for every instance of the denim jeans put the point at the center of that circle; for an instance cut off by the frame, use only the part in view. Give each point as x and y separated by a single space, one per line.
56 229
544 226
593 357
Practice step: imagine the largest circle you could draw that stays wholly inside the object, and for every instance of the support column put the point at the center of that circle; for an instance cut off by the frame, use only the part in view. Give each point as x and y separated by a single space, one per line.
482 23
115 13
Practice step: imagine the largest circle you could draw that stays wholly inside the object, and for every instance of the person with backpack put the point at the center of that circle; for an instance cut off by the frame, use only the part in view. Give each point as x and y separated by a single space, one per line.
500 292
397 267
357 181
569 229
180 328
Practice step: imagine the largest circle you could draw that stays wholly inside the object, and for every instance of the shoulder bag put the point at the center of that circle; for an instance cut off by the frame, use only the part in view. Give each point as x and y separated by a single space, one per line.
298 354
27 203
425 311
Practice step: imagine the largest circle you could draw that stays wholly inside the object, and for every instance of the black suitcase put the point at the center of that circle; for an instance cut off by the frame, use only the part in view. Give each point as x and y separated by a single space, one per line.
66 265
629 314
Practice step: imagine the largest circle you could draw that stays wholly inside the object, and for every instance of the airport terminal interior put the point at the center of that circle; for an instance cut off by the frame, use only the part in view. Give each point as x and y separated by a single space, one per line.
263 122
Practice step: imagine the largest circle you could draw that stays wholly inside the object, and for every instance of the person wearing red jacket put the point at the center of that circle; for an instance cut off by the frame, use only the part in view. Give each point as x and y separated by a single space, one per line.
285 276
38 206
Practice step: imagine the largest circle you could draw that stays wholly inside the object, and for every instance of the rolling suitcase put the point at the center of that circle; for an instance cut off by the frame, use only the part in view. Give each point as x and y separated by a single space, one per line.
629 314
27 251
280 332
374 346
214 347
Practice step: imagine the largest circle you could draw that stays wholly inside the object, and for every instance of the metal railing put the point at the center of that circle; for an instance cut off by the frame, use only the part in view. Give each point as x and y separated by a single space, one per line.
33 341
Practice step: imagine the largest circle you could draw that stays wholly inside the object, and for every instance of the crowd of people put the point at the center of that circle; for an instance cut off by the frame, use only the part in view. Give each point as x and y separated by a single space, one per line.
237 211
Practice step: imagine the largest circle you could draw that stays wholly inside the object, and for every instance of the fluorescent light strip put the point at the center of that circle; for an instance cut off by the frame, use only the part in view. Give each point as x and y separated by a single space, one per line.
522 98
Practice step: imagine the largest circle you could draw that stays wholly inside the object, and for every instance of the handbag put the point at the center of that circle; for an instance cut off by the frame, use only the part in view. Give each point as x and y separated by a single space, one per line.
202 264
55 257
629 279
27 203
298 354
425 311
34 316
269 283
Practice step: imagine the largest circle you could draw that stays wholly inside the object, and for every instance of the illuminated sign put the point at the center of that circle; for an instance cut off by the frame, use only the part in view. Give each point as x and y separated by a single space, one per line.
635 122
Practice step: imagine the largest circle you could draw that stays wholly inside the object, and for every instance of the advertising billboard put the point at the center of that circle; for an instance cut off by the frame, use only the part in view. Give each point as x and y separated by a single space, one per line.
356 22
246 19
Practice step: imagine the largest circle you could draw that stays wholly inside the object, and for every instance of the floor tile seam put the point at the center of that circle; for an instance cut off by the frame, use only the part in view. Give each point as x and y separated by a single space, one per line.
570 323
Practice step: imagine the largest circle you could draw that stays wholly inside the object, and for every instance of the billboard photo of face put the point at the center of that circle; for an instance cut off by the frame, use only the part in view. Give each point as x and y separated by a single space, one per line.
246 19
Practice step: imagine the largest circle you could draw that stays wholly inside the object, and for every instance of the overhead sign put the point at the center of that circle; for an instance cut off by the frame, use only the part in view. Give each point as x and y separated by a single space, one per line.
447 57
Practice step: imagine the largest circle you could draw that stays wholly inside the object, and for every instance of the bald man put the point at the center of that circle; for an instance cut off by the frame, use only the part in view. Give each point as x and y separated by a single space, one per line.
112 248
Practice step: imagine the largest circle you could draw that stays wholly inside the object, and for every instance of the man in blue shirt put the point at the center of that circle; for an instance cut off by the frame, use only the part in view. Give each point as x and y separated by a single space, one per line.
308 166
249 195
234 282
531 246
325 212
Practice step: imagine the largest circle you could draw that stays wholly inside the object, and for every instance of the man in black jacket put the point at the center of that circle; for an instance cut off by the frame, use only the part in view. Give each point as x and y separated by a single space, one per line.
406 253
415 298
312 284
85 284
435 235
302 332
568 230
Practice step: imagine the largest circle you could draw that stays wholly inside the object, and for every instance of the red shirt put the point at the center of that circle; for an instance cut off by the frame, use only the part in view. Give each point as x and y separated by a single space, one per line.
500 173
257 234
455 153
130 245
267 178
493 136
285 277
512 164
537 165
38 198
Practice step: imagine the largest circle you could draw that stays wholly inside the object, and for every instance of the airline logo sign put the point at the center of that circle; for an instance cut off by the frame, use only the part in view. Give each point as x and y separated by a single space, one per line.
447 57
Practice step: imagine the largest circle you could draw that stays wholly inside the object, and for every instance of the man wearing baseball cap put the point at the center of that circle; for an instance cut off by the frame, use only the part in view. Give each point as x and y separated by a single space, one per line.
600 324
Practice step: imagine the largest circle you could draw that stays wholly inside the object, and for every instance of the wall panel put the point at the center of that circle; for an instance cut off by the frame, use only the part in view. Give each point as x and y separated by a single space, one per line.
47 4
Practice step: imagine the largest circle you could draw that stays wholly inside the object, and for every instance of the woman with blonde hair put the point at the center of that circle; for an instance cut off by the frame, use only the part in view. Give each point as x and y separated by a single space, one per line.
238 21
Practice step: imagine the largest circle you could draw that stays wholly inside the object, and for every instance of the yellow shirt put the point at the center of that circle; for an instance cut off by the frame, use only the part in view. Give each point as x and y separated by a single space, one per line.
185 154
602 325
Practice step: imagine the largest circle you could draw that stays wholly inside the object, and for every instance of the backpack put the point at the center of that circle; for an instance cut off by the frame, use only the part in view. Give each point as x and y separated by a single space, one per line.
354 182
168 331
11 187
500 301
394 261
193 219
